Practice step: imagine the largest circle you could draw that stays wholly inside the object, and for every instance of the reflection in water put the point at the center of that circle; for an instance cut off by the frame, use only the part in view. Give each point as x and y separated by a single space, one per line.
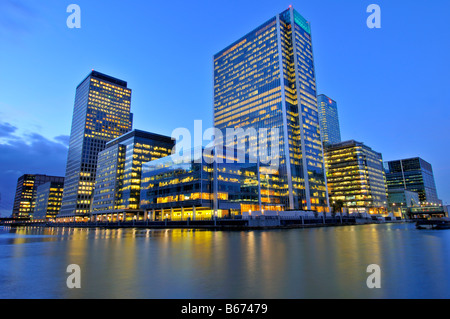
298 263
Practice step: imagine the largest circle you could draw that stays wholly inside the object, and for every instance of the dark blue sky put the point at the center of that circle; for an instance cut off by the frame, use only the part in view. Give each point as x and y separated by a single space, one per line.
389 83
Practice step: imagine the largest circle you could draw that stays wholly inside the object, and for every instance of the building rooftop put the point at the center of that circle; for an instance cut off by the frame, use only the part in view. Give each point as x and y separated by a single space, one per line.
218 54
143 134
105 77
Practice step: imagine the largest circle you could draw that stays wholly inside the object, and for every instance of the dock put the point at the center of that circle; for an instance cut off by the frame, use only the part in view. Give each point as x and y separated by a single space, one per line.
252 223
433 223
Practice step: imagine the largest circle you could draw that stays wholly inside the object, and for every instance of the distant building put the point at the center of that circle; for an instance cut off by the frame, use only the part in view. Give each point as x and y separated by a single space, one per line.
118 181
48 200
329 120
25 198
355 177
101 113
413 174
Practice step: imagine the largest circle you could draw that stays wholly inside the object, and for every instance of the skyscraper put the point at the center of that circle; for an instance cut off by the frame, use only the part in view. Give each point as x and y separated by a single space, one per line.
356 177
101 113
413 174
25 199
266 79
329 120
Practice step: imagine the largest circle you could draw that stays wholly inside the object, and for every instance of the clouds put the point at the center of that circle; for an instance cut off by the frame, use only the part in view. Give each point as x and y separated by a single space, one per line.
6 130
63 139
31 153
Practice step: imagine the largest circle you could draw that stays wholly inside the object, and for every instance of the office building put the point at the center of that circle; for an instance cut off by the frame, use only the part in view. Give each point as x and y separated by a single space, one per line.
356 177
118 181
48 201
199 188
101 114
399 200
266 79
25 198
413 174
329 120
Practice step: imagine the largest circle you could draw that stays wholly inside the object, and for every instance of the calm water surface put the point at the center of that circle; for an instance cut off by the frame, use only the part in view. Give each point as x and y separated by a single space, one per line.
297 263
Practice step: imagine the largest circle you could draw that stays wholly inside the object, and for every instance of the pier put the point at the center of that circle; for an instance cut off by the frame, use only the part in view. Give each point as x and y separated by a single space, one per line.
250 223
433 223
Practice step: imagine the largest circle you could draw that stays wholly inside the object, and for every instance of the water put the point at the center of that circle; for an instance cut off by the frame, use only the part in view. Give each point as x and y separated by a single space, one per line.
283 264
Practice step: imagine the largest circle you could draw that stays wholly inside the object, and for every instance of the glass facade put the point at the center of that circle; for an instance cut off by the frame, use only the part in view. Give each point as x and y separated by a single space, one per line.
402 198
118 181
329 120
101 114
266 79
414 174
176 188
399 200
25 198
356 177
48 200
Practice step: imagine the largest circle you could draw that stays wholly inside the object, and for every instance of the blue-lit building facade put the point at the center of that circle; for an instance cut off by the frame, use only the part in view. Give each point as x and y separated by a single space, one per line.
356 177
101 114
400 200
48 200
199 187
119 171
266 79
26 192
413 174
329 120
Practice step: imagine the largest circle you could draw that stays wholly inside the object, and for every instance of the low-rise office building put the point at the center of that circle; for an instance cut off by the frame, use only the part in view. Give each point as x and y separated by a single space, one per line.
413 174
48 201
118 181
355 177
176 188
399 200
25 198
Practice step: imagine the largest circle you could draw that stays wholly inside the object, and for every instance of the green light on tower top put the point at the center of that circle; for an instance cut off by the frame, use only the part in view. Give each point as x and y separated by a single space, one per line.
302 22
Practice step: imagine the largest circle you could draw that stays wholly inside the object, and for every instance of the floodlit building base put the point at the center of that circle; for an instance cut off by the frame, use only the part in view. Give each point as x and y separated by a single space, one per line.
173 214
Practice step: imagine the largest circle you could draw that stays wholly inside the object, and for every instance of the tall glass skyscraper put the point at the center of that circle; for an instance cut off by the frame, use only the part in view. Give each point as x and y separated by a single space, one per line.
329 120
266 79
101 113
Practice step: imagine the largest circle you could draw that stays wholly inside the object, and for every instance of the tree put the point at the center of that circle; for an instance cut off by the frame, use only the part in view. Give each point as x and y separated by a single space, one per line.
337 206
